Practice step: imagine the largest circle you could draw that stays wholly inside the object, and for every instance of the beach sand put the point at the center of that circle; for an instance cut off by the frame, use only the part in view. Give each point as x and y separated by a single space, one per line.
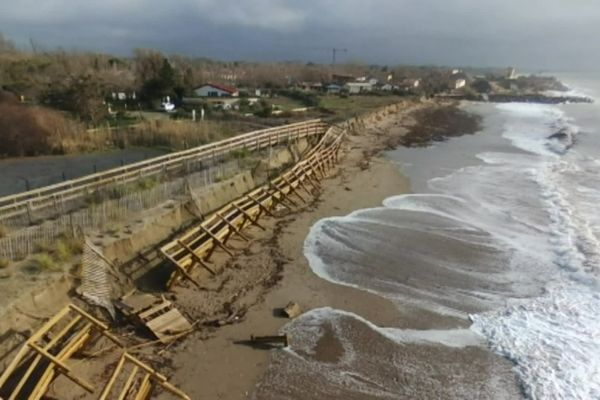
217 365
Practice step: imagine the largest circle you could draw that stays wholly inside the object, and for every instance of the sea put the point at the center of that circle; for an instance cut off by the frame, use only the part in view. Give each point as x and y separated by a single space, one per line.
501 230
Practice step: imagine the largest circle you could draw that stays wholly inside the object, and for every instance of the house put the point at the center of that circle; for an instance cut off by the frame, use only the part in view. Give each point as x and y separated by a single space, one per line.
216 90
358 87
410 83
458 83
334 89
388 87
341 79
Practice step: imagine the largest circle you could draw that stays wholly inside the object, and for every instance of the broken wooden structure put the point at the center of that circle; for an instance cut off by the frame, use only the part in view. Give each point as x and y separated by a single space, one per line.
155 313
270 340
194 248
134 379
47 352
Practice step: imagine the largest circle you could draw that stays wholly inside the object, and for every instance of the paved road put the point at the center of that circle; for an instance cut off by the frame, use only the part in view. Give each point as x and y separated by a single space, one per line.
16 174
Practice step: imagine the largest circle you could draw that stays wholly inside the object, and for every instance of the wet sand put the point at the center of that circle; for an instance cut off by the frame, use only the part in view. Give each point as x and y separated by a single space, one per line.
215 364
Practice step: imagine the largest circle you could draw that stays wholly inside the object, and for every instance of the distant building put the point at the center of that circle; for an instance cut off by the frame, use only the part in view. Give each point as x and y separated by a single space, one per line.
388 87
341 79
512 73
410 83
358 87
459 83
334 89
216 90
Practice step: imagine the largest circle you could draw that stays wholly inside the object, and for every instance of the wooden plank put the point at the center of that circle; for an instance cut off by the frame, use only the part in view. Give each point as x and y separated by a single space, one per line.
168 324
252 220
300 179
144 389
162 380
113 378
38 357
65 369
217 241
233 227
99 324
260 205
196 257
75 344
129 382
292 188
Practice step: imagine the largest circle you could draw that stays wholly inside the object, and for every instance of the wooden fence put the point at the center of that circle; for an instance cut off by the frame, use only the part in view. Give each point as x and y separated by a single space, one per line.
47 197
194 247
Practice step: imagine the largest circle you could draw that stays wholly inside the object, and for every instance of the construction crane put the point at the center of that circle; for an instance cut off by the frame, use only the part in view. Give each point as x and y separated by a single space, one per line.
334 52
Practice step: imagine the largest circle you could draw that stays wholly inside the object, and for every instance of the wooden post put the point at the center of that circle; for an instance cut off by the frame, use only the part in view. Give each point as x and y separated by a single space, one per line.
63 367
260 205
253 221
113 378
283 195
217 241
196 258
99 324
292 188
300 180
235 228
276 199
162 380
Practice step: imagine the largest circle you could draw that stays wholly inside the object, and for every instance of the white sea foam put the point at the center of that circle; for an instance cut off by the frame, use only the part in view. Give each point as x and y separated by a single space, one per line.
539 206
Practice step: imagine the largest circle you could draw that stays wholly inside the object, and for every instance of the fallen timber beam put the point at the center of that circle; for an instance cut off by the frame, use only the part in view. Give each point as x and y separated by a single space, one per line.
64 368
283 339
38 357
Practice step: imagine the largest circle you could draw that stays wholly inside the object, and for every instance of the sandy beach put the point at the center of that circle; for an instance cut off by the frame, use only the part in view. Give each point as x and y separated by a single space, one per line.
215 365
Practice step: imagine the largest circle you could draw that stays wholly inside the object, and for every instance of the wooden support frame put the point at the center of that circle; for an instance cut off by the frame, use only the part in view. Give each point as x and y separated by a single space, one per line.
216 240
196 258
254 221
145 387
300 179
292 188
232 226
56 348
260 205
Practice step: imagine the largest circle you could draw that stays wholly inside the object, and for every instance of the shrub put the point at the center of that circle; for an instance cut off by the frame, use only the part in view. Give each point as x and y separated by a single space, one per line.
43 262
4 263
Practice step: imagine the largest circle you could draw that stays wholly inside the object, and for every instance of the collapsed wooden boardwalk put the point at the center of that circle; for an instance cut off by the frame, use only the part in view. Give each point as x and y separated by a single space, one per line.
48 352
195 247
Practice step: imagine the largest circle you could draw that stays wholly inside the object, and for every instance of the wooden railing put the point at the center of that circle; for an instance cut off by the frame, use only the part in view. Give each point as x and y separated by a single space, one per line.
48 196
194 247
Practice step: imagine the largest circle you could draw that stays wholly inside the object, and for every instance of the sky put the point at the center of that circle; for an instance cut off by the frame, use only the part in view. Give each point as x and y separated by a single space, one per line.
530 34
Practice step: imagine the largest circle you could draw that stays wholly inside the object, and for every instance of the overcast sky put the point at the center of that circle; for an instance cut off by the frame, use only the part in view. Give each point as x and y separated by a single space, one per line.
550 34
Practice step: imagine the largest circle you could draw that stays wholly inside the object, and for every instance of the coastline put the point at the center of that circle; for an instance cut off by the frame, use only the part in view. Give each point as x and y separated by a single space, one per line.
219 367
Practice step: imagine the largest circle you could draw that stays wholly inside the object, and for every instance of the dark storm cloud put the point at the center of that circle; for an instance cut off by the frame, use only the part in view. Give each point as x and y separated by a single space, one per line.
529 33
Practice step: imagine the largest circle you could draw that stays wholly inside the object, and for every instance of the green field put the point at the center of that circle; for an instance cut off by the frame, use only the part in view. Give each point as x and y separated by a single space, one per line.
348 107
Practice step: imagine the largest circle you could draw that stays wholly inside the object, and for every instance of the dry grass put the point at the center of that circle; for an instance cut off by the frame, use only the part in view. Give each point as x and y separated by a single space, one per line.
4 263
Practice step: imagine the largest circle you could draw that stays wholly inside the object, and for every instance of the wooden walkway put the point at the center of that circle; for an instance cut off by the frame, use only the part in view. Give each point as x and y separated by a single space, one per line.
49 196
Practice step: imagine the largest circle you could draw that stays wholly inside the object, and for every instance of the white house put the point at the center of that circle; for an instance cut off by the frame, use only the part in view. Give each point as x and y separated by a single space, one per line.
215 90
358 87
459 83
